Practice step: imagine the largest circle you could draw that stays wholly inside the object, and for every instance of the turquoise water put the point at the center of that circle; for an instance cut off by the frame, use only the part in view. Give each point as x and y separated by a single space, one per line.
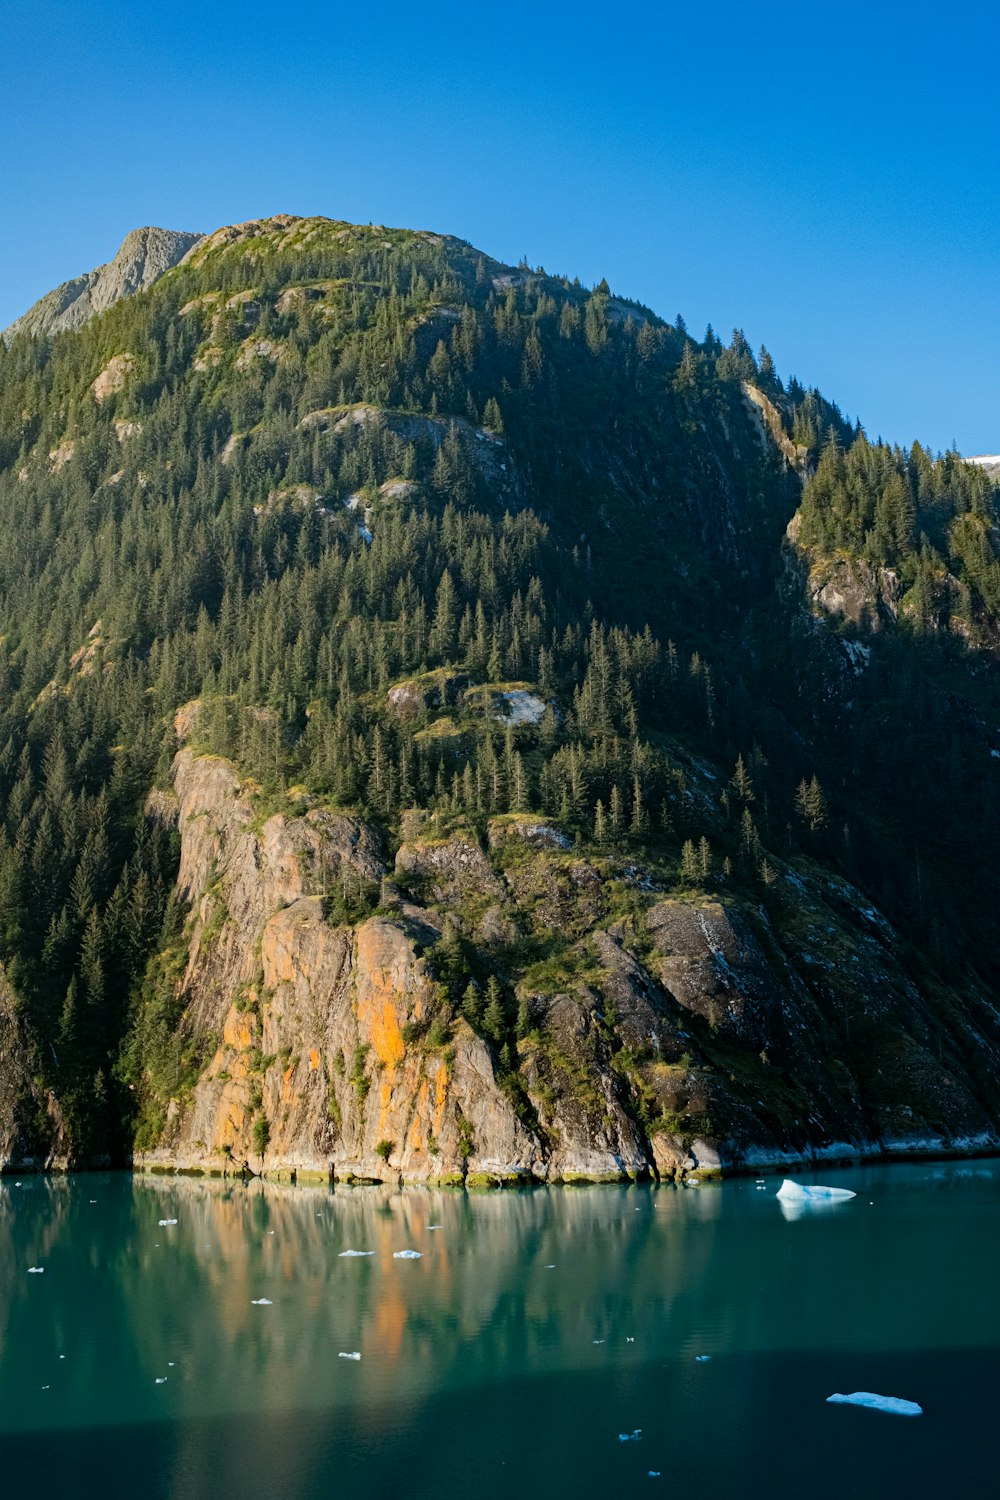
535 1328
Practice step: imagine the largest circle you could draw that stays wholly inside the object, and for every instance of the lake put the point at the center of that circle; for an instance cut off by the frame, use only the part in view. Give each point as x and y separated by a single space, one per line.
203 1358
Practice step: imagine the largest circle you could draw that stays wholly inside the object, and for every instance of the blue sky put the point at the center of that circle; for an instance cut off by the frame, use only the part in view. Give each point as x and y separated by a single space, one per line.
824 177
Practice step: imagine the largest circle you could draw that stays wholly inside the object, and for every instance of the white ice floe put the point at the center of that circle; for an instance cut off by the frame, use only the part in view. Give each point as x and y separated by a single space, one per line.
165 1223
630 1437
161 1380
598 1341
702 1359
353 1355
261 1302
434 1226
797 1192
406 1255
354 1254
894 1404
36 1270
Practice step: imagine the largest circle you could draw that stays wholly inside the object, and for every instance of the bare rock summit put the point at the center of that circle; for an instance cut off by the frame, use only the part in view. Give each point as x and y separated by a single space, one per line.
143 257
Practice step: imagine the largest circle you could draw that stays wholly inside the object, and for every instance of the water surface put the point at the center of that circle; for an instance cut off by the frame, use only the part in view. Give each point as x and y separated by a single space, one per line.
534 1329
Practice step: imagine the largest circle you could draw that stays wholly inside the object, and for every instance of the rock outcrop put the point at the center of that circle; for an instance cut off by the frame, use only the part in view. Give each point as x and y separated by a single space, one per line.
142 258
687 1035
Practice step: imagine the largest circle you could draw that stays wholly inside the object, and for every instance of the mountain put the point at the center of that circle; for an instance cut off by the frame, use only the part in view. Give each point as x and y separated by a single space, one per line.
142 258
455 724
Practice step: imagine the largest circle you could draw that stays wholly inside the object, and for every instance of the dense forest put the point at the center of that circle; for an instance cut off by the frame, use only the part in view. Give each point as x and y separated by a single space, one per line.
417 529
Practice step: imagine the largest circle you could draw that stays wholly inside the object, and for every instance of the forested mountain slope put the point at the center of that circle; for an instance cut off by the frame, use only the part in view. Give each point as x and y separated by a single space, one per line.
456 723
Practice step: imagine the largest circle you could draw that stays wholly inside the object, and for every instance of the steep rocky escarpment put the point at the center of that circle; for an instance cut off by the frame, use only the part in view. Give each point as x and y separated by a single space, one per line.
328 1027
142 258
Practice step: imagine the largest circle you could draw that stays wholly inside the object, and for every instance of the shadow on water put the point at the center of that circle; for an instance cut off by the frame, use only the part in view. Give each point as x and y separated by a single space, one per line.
749 1427
533 1329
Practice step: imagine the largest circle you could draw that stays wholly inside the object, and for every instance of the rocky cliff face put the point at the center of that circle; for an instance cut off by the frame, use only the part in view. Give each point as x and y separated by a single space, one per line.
142 258
657 1034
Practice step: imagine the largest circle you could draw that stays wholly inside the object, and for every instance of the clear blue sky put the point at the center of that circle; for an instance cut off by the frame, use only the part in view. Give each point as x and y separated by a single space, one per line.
824 176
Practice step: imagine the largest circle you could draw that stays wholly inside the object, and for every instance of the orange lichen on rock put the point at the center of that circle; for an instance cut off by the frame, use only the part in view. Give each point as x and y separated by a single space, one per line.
236 1030
440 1095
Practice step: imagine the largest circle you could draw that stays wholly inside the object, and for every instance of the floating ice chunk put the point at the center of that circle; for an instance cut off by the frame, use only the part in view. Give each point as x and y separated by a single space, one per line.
549 1267
62 1356
631 1437
894 1404
434 1226
164 1223
36 1270
628 1340
702 1359
354 1254
797 1192
171 1363
261 1302
46 1388
406 1255
598 1341
161 1380
353 1355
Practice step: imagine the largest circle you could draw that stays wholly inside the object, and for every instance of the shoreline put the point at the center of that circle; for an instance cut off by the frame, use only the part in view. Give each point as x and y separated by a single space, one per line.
837 1155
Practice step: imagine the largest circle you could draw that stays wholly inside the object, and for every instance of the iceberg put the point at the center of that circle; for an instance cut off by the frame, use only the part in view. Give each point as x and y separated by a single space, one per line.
36 1270
894 1404
406 1255
165 1222
797 1192
353 1355
261 1302
354 1254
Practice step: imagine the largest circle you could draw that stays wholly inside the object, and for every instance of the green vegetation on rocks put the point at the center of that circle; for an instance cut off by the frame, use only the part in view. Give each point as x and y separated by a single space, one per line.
397 529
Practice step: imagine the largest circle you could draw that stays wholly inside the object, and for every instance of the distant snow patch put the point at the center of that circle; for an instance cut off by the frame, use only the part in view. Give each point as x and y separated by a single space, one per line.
522 707
858 655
